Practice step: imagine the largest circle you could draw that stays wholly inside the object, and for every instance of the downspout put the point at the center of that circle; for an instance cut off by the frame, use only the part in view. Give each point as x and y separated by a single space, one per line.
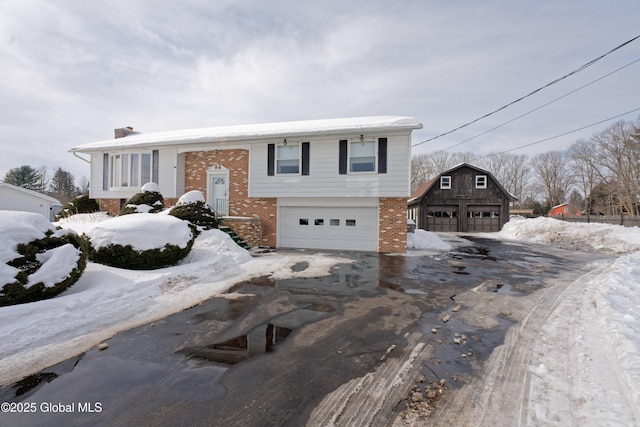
83 159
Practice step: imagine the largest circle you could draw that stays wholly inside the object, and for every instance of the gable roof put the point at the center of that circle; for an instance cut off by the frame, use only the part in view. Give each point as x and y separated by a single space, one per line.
257 131
29 192
425 187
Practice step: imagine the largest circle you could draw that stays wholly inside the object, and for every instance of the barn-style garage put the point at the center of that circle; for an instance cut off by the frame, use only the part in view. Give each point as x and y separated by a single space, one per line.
462 199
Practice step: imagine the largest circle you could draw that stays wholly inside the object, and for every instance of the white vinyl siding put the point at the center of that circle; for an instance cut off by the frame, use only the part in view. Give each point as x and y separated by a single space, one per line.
324 179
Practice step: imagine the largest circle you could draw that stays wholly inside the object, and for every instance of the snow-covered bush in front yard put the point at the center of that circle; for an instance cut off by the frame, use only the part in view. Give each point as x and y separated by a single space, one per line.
38 261
141 242
148 200
192 207
80 204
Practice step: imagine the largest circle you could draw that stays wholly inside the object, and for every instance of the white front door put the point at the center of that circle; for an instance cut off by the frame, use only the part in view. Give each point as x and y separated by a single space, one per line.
219 192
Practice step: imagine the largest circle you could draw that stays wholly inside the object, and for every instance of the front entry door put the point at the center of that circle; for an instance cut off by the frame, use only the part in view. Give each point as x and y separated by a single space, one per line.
219 193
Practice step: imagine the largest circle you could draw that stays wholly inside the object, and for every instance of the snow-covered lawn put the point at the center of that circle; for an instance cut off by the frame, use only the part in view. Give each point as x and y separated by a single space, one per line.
605 321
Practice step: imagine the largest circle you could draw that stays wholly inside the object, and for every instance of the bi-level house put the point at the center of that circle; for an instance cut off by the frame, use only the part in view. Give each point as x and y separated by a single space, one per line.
322 184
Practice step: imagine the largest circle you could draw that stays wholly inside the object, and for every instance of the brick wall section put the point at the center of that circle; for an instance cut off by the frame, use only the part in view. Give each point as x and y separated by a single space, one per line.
112 206
248 229
237 161
393 225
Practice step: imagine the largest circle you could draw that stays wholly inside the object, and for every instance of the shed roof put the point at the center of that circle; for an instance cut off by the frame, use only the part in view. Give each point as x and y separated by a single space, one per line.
257 131
29 192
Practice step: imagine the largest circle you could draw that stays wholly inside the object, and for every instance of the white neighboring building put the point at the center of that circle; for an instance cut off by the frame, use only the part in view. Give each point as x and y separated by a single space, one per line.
322 184
14 198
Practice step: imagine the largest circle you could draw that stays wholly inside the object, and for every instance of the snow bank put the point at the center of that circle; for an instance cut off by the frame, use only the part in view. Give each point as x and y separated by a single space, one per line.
142 231
617 299
609 238
422 239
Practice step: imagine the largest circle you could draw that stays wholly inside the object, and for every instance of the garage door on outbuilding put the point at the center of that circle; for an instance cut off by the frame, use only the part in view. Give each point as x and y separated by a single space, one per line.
328 227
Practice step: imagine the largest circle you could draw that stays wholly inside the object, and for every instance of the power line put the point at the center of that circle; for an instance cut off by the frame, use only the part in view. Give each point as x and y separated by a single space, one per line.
538 108
577 70
558 136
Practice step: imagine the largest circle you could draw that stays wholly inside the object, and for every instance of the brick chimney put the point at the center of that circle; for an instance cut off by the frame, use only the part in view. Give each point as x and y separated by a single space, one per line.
122 132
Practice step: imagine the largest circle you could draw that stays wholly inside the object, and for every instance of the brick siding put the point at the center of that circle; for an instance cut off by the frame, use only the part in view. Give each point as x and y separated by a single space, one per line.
240 204
393 225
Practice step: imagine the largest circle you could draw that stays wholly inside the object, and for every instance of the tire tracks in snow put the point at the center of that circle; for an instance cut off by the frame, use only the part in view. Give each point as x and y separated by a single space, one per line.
500 394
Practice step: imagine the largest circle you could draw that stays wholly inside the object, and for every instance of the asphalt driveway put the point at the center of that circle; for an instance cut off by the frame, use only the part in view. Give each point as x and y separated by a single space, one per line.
277 352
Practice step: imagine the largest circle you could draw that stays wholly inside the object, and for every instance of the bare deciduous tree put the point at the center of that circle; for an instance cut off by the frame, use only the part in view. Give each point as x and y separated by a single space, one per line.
554 175
584 168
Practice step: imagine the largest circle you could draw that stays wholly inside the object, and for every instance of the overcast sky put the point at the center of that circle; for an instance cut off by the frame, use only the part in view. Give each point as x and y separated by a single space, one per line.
73 70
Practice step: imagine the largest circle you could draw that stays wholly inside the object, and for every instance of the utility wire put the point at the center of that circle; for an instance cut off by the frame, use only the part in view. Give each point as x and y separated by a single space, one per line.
557 136
577 70
538 108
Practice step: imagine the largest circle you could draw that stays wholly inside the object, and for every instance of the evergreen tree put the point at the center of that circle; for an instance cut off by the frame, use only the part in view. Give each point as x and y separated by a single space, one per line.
24 176
62 185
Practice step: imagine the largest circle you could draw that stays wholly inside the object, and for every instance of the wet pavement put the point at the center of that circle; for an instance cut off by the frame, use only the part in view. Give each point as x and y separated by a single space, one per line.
269 356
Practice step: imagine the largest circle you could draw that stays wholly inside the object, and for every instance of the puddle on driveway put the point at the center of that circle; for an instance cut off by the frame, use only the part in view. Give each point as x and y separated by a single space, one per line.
260 340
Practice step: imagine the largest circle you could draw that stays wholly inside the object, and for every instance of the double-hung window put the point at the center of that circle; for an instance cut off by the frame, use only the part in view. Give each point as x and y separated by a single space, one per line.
481 181
445 183
131 169
288 159
362 156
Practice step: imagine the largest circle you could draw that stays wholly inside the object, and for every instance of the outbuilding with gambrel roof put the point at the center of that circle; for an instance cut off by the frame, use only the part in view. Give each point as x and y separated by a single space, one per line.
464 198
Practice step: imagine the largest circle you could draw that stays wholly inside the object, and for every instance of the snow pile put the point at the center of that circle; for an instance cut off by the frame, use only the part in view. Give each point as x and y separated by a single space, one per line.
18 228
142 232
426 240
150 187
580 236
50 262
191 197
57 265
617 298
82 223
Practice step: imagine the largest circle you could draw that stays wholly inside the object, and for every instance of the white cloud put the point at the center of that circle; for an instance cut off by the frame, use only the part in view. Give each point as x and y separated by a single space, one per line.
74 70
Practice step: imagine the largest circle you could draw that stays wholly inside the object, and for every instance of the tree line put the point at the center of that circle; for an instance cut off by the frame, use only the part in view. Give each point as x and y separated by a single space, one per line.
599 175
57 183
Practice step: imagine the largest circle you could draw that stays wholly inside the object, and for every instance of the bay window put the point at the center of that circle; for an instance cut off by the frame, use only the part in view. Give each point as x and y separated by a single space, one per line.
132 169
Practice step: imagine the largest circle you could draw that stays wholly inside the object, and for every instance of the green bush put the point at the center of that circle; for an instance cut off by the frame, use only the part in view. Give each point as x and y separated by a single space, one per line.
81 204
27 264
197 213
126 257
145 202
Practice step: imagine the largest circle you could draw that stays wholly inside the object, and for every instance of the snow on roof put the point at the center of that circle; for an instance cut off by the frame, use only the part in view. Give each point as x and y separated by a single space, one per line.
257 131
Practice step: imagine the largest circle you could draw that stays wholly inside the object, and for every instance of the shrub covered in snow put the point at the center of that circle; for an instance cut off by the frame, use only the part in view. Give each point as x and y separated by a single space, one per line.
141 242
149 200
81 204
38 262
192 207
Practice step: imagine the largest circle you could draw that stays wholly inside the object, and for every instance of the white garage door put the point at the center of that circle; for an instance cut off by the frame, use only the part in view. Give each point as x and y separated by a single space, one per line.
350 228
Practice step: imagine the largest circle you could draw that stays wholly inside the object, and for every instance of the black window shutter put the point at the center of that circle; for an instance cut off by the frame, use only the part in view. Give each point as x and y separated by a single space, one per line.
382 155
271 159
305 158
343 157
